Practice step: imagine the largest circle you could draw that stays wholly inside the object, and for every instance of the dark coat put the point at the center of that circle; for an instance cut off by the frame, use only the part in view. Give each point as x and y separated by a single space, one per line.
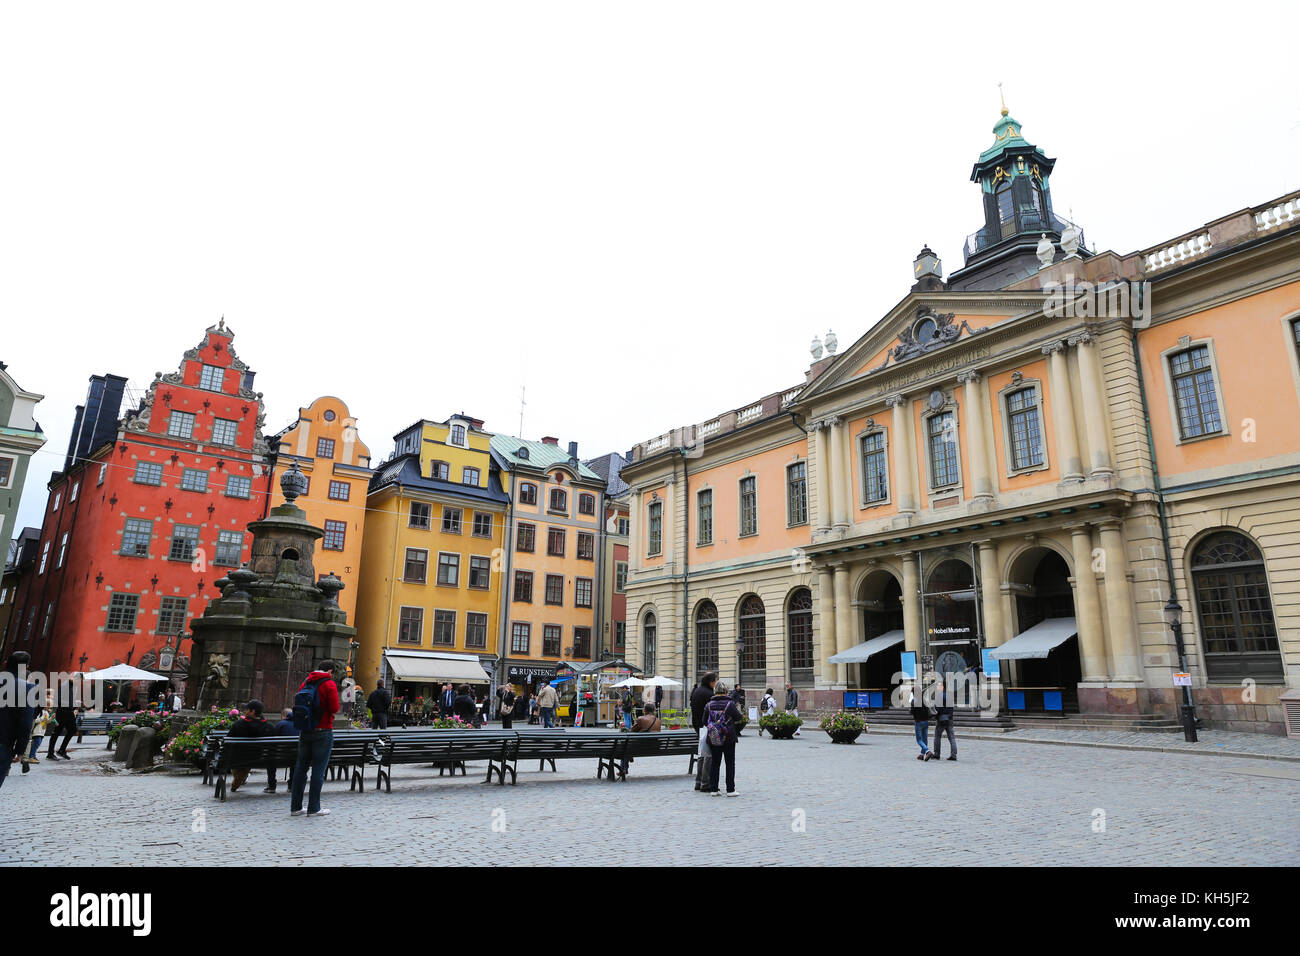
285 728
699 698
463 707
16 715
920 713
379 700
257 727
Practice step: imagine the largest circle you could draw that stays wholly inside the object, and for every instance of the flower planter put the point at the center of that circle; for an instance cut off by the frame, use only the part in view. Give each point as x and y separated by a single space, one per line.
845 736
780 733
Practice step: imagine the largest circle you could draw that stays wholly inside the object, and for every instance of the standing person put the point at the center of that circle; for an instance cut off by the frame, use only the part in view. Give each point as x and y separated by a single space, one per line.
792 701
16 710
251 725
446 701
378 703
178 703
766 706
699 699
629 707
546 701
66 715
462 706
43 720
943 723
506 706
738 695
921 722
721 717
313 714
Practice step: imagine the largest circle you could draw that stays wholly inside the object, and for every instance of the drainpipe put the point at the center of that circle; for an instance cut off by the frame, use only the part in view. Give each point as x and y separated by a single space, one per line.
686 574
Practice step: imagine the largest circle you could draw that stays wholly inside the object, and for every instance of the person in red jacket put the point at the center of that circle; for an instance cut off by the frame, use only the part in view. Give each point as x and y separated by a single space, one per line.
315 744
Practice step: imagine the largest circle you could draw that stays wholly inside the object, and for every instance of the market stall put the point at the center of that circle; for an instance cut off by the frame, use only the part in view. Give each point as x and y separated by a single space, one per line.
588 687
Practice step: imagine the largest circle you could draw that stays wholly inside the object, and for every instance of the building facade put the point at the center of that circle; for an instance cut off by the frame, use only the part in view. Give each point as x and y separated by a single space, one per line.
328 450
149 510
1016 468
20 438
611 623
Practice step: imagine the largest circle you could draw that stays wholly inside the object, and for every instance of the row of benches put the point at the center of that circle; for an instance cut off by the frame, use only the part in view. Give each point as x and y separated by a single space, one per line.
354 750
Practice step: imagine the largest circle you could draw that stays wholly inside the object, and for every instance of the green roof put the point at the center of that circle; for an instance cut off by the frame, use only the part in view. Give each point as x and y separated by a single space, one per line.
1007 133
537 454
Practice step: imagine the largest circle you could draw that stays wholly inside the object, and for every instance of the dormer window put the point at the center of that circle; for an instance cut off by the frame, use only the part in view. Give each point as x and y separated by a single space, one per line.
458 435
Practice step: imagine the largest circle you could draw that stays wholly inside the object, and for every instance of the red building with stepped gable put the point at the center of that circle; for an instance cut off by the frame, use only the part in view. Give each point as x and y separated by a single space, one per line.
149 510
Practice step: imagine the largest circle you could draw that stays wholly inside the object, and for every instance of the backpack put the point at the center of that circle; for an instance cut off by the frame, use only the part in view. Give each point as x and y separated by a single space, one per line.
306 707
718 731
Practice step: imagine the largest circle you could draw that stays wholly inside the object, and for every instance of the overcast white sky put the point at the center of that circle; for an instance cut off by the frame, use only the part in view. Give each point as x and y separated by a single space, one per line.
640 212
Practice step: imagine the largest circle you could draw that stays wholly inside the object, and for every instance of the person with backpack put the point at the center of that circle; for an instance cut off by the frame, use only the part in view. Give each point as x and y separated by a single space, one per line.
506 707
700 697
721 718
921 724
378 703
629 708
765 706
314 708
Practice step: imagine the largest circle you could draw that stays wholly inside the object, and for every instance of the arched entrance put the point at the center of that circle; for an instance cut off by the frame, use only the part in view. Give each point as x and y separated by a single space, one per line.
1238 633
1048 681
753 632
649 637
950 603
880 598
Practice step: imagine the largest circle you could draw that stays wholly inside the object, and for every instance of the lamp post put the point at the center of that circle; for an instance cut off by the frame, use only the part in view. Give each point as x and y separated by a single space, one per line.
1173 612
740 652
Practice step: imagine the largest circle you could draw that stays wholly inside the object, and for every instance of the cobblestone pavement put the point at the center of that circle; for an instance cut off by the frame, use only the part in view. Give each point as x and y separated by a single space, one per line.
803 801
1214 742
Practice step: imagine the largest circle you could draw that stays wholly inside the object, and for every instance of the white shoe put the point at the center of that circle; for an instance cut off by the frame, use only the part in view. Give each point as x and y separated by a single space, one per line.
319 813
734 793
715 793
296 813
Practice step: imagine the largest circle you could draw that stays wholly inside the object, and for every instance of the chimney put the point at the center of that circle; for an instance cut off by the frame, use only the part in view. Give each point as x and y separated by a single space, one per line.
573 449
550 440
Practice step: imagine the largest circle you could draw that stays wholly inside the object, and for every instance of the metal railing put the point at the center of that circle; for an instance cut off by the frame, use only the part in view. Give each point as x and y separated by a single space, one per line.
987 237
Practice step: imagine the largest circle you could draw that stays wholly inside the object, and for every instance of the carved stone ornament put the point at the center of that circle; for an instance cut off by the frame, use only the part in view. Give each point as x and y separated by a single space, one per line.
219 669
1083 338
930 330
1017 378
1053 348
936 399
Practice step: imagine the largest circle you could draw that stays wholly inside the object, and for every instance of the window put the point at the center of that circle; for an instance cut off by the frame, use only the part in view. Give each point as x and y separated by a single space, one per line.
649 634
306 485
706 638
524 586
75 489
135 538
444 627
58 499
753 631
748 506
63 549
192 479
416 569
800 628
185 538
620 636
238 486
551 636
122 609
229 546
519 638
49 619
335 534
875 469
340 490
559 501
458 435
439 470
451 520
324 447
448 569
476 626
180 425
586 504
1195 397
942 429
555 542
212 378
482 525
479 571
527 493
555 589
586 546
796 494
620 575
655 529
103 470
171 615
526 538
420 515
224 431
624 527
469 476
704 517
7 469
582 592
410 626
148 473
582 642
1025 427
45 557
1237 624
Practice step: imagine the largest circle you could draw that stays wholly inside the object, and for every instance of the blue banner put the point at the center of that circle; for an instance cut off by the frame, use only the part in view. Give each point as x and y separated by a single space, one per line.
992 666
907 664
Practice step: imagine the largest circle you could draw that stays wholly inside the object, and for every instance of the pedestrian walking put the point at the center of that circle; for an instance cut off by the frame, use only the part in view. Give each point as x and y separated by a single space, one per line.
921 723
722 717
41 723
943 723
65 714
792 702
251 725
378 703
16 710
546 701
700 697
313 714
506 707
629 708
766 706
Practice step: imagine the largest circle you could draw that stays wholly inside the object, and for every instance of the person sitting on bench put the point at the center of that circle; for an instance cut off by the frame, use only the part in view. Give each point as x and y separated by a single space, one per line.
647 723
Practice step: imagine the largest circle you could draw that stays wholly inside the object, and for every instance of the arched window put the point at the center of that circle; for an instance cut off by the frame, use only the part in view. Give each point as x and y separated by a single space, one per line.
706 638
1239 635
649 632
753 631
800 628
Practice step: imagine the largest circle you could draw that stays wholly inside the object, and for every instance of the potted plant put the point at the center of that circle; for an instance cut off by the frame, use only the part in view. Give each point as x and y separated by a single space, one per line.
675 719
781 725
843 727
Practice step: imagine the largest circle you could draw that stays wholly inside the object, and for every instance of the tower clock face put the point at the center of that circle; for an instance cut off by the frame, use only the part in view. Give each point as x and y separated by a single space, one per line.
928 265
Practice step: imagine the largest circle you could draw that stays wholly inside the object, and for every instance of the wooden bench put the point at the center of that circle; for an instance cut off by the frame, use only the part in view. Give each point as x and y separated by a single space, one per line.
351 751
548 746
99 724
446 749
208 752
663 743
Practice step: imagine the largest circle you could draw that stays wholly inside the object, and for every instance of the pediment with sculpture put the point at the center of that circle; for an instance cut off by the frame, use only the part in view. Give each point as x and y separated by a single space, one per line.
928 331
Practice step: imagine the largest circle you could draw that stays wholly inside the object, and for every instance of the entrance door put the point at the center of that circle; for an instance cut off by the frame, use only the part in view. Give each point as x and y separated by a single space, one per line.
275 680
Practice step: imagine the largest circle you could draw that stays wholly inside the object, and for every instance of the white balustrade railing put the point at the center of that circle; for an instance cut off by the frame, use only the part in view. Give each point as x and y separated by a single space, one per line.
1283 214
655 444
1178 253
790 396
708 428
749 414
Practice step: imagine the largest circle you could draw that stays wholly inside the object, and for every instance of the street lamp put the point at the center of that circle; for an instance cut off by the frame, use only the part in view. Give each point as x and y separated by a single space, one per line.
1173 612
740 652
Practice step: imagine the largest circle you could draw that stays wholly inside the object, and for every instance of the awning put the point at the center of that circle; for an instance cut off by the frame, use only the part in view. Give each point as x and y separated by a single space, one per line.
1038 641
455 668
860 653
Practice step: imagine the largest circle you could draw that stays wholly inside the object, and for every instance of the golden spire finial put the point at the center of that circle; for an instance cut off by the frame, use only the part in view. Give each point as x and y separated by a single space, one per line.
1002 97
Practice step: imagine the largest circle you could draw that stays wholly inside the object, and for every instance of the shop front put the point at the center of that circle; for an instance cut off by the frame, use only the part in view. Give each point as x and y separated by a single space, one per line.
416 678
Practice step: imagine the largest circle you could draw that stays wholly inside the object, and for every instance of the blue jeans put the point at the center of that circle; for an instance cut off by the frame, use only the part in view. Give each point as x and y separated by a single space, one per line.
923 735
36 745
548 716
627 719
314 748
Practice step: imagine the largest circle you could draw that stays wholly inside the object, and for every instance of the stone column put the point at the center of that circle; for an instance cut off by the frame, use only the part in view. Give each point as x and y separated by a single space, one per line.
826 616
839 495
912 604
1087 609
845 476
1119 605
1092 396
991 595
824 516
1067 442
634 555
670 522
973 416
900 442
843 619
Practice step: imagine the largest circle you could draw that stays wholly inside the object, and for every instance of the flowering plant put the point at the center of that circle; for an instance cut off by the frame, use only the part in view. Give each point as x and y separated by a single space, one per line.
448 723
782 719
142 718
842 720
187 746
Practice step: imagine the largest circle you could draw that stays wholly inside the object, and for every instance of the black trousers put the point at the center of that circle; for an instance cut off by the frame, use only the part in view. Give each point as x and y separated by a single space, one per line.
381 720
506 720
728 751
939 729
67 738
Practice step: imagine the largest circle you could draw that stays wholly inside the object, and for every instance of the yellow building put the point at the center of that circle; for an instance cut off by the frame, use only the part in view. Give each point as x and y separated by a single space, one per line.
553 563
430 595
336 462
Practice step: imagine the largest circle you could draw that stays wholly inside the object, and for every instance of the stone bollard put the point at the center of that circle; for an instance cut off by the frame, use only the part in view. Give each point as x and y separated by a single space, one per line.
141 755
125 742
